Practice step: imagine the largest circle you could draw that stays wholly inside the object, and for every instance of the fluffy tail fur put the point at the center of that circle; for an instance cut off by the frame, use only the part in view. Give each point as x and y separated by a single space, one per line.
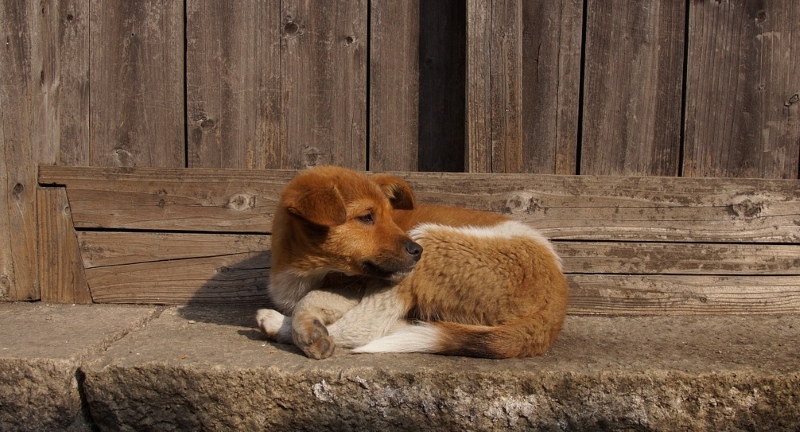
524 337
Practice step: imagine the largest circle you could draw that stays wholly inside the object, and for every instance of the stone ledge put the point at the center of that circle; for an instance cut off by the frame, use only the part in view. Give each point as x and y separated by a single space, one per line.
194 368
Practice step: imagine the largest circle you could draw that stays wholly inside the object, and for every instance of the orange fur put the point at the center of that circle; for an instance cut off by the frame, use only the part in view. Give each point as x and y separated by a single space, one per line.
488 286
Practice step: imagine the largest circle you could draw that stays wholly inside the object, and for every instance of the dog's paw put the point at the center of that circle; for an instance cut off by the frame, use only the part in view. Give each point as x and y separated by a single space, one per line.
275 325
312 337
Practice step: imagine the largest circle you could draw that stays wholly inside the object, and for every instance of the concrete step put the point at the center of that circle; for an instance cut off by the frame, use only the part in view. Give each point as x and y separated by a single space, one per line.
66 367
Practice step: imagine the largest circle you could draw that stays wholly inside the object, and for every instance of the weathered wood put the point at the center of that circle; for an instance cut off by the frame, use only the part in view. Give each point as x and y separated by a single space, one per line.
442 99
324 64
633 88
233 80
170 199
394 85
635 258
18 156
60 60
669 295
137 82
563 207
551 65
523 85
61 274
174 268
628 208
110 248
494 85
233 278
209 268
742 106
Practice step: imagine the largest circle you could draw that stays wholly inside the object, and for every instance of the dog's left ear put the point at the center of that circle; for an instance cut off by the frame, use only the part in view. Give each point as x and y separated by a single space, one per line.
397 190
320 205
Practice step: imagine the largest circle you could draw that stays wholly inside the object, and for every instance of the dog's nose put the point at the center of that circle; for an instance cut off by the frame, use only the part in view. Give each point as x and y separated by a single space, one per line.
414 249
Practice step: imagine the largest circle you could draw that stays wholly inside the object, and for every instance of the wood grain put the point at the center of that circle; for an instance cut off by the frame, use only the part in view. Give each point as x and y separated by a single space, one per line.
523 85
605 278
111 248
233 278
742 107
690 295
176 200
18 155
494 85
60 58
633 88
563 207
61 272
137 96
323 67
394 85
233 80
175 268
551 65
637 258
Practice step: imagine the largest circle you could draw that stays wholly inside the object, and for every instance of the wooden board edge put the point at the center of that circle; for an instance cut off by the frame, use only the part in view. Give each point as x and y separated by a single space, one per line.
61 273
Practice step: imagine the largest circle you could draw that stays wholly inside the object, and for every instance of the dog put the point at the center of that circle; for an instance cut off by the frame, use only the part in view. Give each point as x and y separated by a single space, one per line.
358 263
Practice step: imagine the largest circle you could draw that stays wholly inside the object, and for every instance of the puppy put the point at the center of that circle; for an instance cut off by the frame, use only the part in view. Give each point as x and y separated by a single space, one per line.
356 262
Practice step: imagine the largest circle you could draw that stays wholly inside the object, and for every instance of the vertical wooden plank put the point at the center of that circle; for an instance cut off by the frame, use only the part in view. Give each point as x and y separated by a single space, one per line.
136 70
61 274
551 63
494 85
324 63
60 64
742 103
394 85
18 266
442 75
233 84
633 87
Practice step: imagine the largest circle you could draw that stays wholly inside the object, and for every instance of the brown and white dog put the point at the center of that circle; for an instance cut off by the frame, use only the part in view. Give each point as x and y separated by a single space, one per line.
356 262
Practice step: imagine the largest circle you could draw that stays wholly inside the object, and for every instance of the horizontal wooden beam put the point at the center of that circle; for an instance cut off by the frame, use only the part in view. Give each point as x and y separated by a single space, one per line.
678 294
605 277
563 207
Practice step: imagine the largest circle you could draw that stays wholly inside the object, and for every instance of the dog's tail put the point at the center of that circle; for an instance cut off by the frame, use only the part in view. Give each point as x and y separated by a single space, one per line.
523 337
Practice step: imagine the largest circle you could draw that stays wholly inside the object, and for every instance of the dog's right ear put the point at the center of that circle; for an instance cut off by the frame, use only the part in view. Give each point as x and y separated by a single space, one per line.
397 190
320 205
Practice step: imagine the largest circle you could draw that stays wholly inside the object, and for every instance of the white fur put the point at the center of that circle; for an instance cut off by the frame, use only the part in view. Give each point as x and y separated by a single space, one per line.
506 230
420 337
376 315
275 325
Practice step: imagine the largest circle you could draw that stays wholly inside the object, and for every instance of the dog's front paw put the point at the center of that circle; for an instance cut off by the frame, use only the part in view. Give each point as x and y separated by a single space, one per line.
275 325
312 337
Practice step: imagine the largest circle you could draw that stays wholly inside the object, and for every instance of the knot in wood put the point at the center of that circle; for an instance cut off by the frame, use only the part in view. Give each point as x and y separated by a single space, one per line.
291 28
241 201
522 202
746 209
18 190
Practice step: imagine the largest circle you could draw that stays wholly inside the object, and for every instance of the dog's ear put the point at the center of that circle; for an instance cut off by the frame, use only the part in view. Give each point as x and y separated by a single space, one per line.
320 205
397 190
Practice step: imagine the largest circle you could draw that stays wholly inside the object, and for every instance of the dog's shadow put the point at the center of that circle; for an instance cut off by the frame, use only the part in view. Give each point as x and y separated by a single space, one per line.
233 295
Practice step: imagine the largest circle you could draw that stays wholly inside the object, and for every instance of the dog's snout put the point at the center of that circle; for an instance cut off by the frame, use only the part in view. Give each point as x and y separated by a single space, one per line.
414 249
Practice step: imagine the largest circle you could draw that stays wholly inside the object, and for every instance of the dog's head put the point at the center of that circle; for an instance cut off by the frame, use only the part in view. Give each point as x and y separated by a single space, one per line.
332 219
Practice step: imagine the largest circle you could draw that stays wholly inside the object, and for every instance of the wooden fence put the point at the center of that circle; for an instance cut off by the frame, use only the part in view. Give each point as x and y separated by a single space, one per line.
628 88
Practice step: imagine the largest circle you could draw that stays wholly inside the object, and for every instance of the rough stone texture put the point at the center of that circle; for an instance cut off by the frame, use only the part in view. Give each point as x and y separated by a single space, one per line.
41 349
194 369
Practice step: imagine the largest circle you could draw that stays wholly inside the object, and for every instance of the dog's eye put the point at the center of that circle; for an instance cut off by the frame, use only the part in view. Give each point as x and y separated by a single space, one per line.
367 219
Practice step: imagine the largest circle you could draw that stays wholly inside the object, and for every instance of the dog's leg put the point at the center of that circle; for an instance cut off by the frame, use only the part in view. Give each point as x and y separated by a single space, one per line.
311 316
275 325
378 314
